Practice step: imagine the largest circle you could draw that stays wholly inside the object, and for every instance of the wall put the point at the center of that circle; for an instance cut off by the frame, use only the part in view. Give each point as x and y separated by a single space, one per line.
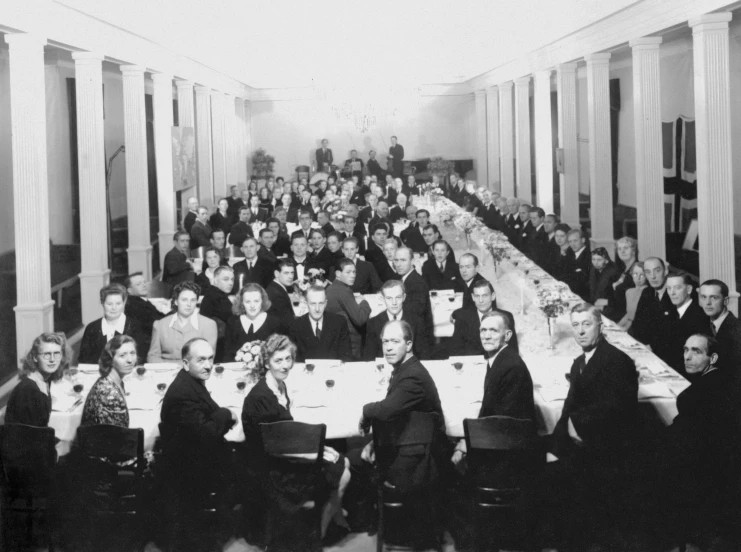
292 130
7 230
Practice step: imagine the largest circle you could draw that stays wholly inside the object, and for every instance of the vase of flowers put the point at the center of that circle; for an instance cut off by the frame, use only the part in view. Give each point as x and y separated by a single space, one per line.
250 355
262 164
552 300
465 222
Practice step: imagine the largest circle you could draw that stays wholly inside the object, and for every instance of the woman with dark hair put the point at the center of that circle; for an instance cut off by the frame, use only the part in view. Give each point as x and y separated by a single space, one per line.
601 278
114 322
268 402
212 261
251 321
561 237
106 401
175 330
252 188
30 401
221 219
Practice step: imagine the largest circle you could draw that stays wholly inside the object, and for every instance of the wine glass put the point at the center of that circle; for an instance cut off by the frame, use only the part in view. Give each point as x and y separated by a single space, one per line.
309 368
451 298
140 371
77 388
161 388
458 367
241 384
329 383
219 369
433 293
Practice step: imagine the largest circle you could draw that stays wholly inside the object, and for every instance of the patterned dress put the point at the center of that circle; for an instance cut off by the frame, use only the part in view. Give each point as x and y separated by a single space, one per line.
105 404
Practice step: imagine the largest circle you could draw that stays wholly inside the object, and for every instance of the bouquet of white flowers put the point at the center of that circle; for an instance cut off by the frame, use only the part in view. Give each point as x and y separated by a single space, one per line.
250 354
466 222
553 298
497 244
314 276
334 210
447 215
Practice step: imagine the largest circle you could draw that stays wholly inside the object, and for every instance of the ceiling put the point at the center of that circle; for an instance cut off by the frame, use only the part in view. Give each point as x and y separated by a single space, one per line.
281 43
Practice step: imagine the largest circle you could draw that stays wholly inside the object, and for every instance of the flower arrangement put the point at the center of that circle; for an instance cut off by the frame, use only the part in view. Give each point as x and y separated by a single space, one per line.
314 276
250 354
440 167
466 222
447 215
334 210
552 299
256 227
497 244
262 164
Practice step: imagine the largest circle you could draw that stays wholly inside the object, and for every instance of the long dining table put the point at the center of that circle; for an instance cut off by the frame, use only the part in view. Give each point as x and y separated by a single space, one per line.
334 392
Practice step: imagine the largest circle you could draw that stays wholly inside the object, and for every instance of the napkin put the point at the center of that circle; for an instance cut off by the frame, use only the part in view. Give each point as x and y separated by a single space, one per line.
654 390
63 402
554 393
143 401
88 368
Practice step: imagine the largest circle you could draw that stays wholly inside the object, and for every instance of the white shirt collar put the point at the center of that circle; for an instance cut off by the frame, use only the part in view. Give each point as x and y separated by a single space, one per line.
540 226
193 320
274 386
492 359
681 310
404 278
398 316
589 355
109 330
576 255
256 324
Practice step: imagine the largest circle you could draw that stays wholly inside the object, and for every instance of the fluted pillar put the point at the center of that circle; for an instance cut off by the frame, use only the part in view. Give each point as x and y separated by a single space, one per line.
506 140
137 178
482 171
648 148
95 272
522 142
186 110
34 307
714 154
543 140
492 138
163 119
600 165
567 141
248 136
217 141
241 137
203 143
230 144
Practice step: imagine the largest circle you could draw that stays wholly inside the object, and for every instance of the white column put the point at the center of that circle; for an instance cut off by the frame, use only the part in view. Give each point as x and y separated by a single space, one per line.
91 167
522 143
241 137
137 178
186 111
34 309
203 144
714 154
230 144
163 119
482 171
217 136
567 141
543 140
492 138
600 165
506 140
648 148
248 137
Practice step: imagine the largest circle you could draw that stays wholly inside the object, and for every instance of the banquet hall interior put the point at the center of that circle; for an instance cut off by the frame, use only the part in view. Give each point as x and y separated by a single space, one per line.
123 125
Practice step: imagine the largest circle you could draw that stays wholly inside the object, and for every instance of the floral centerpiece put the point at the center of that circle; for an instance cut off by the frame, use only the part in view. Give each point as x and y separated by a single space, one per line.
335 211
250 355
447 215
552 299
313 276
465 222
498 246
262 164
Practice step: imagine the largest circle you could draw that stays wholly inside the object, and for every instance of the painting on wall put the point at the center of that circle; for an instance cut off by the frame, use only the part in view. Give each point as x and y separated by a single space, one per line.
183 157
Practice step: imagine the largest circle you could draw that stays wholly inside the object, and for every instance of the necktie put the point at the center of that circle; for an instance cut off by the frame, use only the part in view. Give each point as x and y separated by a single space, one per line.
442 268
300 263
658 297
249 266
713 330
318 331
250 331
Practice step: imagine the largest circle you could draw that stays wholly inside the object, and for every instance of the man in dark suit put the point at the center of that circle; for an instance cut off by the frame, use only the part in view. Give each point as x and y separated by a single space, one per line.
457 190
192 214
355 164
578 264
304 220
252 269
374 251
341 300
431 234
241 229
552 251
319 334
193 446
234 202
360 192
439 271
691 319
257 214
324 157
399 210
279 292
489 214
468 266
217 303
538 243
139 308
178 267
513 228
725 327
387 270
467 321
323 219
417 293
656 316
265 250
396 153
200 231
321 257
366 277
526 230
370 211
394 295
411 236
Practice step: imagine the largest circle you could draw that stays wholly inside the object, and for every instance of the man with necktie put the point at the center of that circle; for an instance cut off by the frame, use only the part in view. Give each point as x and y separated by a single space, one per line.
396 154
252 269
319 334
723 325
324 157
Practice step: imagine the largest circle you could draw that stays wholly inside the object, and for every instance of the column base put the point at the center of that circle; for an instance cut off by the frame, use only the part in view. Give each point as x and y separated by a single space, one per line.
166 243
32 319
608 243
140 260
90 284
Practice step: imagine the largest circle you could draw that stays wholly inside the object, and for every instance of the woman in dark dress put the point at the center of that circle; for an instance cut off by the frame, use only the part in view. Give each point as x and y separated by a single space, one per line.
212 261
251 321
221 220
561 232
30 401
114 322
268 402
626 250
601 278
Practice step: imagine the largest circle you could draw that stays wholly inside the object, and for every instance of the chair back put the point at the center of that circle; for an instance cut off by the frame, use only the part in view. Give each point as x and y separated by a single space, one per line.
286 438
499 433
415 428
233 251
113 442
28 458
302 171
198 253
408 168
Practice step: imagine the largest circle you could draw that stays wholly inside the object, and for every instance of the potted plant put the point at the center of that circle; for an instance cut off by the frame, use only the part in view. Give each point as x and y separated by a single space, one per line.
442 168
262 164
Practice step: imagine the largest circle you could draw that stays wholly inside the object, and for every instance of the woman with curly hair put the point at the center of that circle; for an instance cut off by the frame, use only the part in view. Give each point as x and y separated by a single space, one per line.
175 330
251 320
30 401
268 402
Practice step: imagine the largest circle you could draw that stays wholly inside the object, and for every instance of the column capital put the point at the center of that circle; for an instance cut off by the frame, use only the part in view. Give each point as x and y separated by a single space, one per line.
565 68
505 85
543 75
710 21
646 43
133 70
216 93
598 59
162 78
201 90
523 81
24 39
182 83
492 91
87 58
479 93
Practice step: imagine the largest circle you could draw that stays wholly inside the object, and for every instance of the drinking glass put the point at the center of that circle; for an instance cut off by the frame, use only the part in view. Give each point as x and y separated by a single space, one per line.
309 368
458 368
140 371
161 388
329 383
219 369
241 384
77 388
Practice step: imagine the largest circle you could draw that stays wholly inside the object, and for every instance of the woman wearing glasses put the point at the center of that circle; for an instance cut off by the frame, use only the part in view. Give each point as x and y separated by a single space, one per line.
30 401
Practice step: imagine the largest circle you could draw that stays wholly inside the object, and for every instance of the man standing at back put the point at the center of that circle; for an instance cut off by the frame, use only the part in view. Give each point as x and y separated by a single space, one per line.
324 157
396 153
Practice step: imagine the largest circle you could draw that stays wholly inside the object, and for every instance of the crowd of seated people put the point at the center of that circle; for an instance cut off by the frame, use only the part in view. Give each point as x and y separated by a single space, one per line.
597 440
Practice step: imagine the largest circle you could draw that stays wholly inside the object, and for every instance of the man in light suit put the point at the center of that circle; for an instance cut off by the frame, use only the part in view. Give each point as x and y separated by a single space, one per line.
178 267
319 334
200 231
324 157
340 300
366 277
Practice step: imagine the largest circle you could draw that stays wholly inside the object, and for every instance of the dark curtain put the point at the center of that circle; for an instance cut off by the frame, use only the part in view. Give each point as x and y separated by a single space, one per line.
614 134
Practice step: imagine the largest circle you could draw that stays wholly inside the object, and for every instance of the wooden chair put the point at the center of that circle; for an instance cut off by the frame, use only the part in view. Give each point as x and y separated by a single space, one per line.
303 171
28 460
397 509
503 452
298 449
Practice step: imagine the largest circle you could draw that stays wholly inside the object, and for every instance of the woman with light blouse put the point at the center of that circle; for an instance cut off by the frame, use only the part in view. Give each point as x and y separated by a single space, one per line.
175 330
